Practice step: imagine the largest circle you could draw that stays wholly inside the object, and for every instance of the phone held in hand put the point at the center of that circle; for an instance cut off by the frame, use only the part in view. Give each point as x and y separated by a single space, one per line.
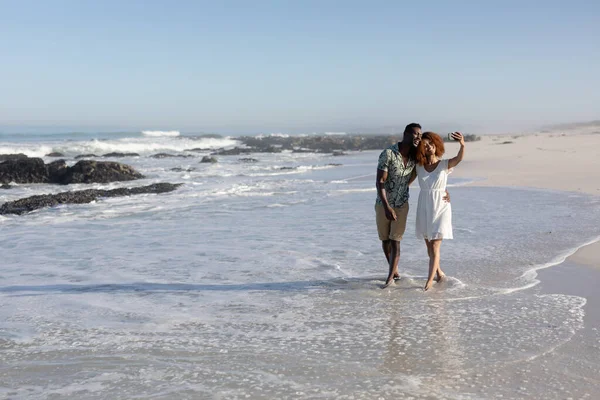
451 137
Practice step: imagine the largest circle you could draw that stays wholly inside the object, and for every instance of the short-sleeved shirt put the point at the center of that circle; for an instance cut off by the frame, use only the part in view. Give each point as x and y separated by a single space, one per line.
396 185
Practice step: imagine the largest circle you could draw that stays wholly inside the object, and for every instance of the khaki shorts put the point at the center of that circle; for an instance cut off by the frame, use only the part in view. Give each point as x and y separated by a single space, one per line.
391 230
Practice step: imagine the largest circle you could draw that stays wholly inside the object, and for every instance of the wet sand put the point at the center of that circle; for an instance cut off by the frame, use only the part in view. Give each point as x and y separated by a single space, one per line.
557 161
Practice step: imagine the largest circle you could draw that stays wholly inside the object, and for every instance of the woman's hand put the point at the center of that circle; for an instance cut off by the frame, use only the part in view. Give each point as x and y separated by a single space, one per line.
459 138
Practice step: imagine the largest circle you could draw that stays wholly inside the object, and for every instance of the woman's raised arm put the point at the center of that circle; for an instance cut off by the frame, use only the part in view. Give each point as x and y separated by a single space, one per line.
454 161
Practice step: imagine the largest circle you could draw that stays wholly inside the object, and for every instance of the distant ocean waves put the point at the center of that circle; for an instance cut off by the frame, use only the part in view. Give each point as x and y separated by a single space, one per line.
161 133
72 146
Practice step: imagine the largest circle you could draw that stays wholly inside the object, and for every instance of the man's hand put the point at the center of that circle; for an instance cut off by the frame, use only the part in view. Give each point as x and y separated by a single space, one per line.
390 214
446 198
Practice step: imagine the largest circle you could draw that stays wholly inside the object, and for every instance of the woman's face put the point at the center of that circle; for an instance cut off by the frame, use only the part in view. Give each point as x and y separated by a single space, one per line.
429 147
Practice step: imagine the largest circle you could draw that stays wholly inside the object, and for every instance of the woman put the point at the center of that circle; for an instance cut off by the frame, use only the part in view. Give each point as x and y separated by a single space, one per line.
434 215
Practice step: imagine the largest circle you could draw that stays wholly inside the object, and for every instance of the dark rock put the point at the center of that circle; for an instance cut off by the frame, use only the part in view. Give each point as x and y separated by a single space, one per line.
178 169
121 155
33 170
88 171
167 155
248 160
55 154
319 144
23 170
6 186
339 153
208 159
6 157
198 150
29 204
236 151
56 170
85 156
287 168
335 164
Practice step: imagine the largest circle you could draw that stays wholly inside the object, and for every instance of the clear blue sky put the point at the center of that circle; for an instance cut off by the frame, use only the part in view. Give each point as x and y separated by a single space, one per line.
298 66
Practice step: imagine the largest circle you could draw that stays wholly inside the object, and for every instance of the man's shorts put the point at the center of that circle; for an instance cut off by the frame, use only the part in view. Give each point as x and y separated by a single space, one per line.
391 230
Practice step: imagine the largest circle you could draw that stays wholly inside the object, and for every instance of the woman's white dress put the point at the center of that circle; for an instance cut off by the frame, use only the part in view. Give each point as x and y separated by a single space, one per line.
434 215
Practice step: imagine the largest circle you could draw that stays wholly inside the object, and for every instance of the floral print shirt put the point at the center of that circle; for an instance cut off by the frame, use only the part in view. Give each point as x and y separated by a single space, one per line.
396 185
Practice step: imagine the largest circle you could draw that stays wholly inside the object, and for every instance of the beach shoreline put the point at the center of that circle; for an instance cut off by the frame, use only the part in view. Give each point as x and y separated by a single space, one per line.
566 162
558 160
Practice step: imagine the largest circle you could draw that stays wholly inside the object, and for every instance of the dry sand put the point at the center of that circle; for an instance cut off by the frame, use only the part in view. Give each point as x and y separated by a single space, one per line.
568 162
559 161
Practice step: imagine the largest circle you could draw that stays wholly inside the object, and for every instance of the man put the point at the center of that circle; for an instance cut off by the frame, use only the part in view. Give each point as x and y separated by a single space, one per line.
395 173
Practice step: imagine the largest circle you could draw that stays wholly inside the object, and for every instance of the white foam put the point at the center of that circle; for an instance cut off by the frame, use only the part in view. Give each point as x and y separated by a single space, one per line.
161 133
530 275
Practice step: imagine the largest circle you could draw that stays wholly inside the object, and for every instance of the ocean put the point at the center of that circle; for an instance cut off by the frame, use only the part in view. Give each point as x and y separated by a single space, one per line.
260 279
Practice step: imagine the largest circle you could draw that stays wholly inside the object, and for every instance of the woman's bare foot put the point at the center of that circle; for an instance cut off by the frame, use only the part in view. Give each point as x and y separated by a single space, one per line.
428 285
396 277
440 277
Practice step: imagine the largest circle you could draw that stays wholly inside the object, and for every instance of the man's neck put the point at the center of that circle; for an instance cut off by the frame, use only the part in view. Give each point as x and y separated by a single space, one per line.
404 148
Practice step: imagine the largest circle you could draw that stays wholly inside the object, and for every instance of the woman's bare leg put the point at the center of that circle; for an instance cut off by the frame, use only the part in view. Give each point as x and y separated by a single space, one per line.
440 275
434 261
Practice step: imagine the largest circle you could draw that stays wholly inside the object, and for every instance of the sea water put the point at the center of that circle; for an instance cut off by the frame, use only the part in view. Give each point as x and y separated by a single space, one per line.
263 279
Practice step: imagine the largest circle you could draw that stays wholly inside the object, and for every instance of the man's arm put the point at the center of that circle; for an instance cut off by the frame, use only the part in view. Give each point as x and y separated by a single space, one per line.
379 184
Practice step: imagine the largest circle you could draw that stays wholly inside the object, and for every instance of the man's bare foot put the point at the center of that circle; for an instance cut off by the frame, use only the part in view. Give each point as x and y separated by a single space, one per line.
388 283
440 277
428 285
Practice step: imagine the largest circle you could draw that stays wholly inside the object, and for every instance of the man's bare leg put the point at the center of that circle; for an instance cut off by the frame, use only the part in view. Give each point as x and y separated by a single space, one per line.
387 249
393 259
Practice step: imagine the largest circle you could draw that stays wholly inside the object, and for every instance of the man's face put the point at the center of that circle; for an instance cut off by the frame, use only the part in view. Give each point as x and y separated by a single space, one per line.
415 136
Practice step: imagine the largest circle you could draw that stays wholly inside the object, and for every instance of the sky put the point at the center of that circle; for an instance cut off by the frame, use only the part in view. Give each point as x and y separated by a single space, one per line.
297 66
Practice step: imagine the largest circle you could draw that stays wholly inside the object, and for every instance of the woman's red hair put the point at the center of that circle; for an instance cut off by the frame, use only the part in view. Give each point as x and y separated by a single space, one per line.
436 140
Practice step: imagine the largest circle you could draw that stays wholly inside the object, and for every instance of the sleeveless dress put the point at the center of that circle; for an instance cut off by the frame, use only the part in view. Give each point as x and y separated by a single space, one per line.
434 215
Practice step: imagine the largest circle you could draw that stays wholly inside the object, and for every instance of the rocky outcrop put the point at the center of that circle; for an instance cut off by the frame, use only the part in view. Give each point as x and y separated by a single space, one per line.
6 157
88 171
29 204
248 160
208 159
236 151
33 170
121 155
319 144
86 156
167 155
55 154
23 170
179 169
56 170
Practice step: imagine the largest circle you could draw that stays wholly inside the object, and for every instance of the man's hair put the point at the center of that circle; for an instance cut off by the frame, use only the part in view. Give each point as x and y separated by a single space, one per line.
436 140
411 127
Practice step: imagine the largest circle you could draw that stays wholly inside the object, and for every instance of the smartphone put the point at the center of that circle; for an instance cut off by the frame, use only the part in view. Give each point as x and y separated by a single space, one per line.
450 136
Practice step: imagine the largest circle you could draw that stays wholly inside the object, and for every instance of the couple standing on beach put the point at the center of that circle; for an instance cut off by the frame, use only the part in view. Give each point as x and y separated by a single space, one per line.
416 156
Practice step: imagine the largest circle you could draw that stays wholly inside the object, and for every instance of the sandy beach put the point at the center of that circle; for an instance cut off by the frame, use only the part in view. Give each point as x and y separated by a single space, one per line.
562 160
